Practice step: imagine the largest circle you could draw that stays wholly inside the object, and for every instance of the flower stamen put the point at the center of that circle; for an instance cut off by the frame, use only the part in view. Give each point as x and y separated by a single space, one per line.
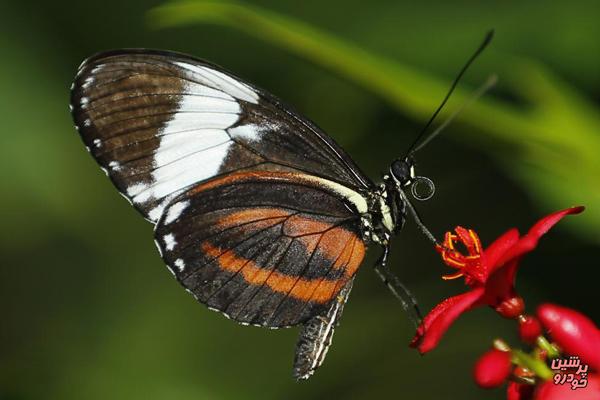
466 263
450 277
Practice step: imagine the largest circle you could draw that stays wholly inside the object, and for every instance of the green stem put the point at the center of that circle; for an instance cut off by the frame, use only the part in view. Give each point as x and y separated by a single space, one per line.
550 349
533 364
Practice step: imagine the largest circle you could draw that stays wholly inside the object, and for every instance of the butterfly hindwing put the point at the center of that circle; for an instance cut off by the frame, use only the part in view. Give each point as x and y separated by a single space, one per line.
265 248
161 122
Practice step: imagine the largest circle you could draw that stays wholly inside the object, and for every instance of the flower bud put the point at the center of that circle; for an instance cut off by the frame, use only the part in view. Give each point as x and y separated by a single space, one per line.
492 368
575 333
511 308
529 329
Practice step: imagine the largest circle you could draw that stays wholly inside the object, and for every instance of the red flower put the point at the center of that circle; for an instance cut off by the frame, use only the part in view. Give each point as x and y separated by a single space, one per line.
575 333
490 274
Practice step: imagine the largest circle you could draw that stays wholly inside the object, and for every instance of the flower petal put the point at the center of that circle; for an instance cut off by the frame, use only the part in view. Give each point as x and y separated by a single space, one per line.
501 283
529 241
497 249
544 224
437 322
575 333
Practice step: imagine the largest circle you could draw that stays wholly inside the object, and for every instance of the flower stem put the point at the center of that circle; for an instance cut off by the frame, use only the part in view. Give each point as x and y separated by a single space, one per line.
551 350
531 363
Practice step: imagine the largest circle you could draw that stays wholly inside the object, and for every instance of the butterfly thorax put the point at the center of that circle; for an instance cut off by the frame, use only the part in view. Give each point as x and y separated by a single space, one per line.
386 214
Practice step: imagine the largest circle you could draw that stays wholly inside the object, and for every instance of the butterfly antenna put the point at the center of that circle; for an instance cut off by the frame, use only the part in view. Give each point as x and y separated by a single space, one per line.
489 83
482 46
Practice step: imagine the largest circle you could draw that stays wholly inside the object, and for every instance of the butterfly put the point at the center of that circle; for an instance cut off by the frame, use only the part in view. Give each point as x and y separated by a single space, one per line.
257 212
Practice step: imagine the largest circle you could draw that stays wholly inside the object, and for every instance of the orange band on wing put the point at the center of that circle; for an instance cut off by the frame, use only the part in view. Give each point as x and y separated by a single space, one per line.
325 289
258 217
299 225
333 240
318 290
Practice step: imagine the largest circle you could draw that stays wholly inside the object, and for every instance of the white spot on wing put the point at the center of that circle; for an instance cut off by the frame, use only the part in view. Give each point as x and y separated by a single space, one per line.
155 213
195 142
97 143
208 104
221 81
114 165
185 172
196 89
178 145
192 146
136 188
88 81
169 241
96 69
175 211
249 132
180 264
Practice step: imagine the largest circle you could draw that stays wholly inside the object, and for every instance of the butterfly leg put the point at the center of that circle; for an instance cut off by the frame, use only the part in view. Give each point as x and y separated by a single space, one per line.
408 301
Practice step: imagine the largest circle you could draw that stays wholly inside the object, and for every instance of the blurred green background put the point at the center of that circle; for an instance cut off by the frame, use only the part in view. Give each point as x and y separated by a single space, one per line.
90 312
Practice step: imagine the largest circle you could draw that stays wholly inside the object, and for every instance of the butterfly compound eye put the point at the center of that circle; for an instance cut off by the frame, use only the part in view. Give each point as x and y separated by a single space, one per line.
401 171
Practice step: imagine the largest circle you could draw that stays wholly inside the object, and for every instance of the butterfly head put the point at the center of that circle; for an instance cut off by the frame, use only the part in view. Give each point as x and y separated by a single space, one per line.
403 174
403 171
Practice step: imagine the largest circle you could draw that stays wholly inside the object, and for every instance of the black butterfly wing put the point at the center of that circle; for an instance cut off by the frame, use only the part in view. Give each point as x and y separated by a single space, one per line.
265 248
160 122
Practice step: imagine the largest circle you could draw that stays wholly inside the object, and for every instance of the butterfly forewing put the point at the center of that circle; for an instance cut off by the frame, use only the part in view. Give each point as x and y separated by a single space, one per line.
161 122
265 248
